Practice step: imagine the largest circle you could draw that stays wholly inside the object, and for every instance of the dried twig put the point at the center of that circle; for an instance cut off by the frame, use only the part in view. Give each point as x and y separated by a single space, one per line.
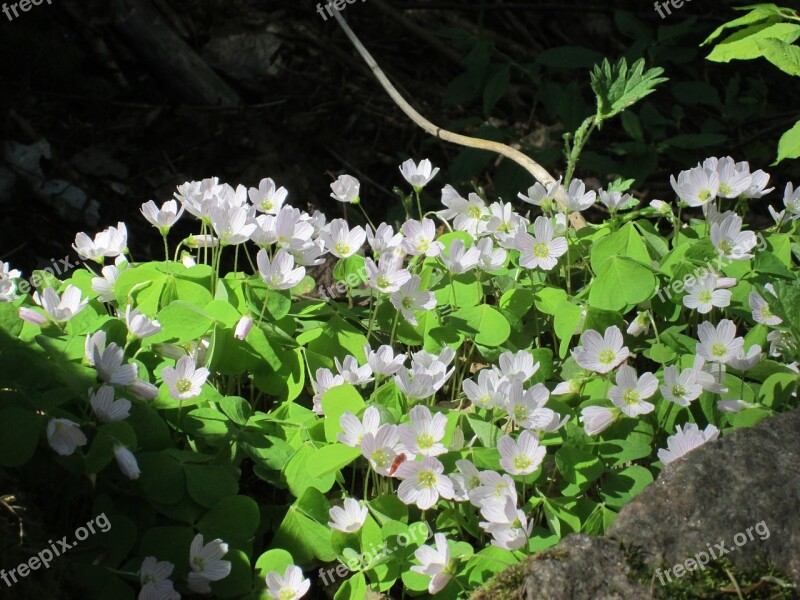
539 173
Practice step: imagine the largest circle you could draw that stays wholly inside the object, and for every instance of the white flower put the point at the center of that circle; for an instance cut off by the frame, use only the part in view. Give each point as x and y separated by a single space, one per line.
791 200
114 240
423 483
229 197
143 390
350 518
601 354
435 562
542 249
31 316
630 392
504 224
493 489
509 526
780 342
355 430
104 285
289 587
419 238
685 440
459 259
571 386
64 436
718 344
490 258
380 448
340 240
680 387
614 200
61 308
351 372
418 175
185 380
243 327
155 579
733 406
109 360
384 239
409 299
745 361
758 183
280 274
199 196
521 457
139 325
106 408
596 419
527 409
729 239
761 310
703 294
8 290
486 392
425 432
733 181
291 227
696 187
162 218
640 325
205 561
126 462
517 366
233 225
661 206
268 198
578 199
346 189
383 360
466 480
416 386
542 196
387 276
201 241
323 381
467 215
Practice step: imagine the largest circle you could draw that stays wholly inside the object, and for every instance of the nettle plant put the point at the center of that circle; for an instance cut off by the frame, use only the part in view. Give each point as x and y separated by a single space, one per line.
497 379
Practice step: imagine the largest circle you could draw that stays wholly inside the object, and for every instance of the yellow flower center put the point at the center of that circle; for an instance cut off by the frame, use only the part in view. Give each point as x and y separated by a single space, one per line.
541 250
719 350
427 479
425 441
522 462
183 385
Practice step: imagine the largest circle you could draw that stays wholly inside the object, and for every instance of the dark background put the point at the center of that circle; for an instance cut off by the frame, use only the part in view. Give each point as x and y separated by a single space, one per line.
92 123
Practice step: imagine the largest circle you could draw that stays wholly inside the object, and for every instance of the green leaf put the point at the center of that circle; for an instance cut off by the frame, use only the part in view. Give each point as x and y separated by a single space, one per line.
620 487
304 531
789 144
162 477
484 324
617 87
759 13
744 44
621 283
101 451
273 560
181 322
354 588
233 518
784 56
208 484
331 459
626 242
19 435
495 89
337 401
579 468
298 472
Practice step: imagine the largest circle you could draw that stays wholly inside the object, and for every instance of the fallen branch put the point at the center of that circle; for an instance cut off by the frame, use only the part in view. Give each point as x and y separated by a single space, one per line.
526 162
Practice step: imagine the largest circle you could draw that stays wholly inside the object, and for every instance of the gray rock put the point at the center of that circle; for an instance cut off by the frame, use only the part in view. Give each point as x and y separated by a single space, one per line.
740 493
580 567
743 488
